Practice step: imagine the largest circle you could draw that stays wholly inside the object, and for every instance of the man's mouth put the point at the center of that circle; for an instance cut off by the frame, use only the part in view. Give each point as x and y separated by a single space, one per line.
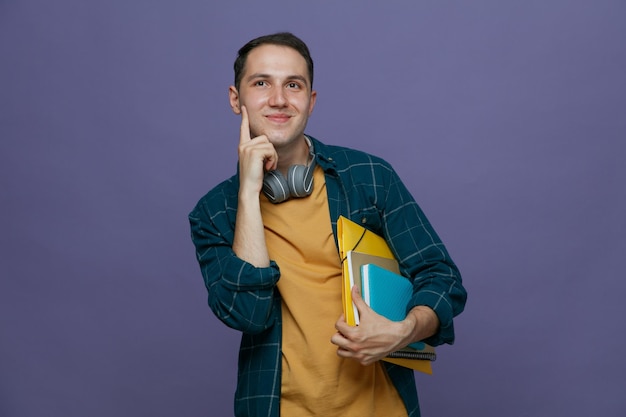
278 118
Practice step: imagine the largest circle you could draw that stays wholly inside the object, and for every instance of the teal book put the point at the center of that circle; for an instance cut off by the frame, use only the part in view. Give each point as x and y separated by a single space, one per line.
355 261
388 294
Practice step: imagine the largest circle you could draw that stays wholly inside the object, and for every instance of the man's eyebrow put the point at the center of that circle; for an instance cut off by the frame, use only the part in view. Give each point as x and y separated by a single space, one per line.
257 75
299 78
290 77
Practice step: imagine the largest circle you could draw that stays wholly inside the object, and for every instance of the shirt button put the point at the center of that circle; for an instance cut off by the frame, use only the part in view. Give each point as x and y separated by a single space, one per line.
364 220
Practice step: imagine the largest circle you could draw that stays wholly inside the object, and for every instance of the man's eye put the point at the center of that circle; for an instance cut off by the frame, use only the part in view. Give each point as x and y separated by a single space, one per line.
293 85
260 83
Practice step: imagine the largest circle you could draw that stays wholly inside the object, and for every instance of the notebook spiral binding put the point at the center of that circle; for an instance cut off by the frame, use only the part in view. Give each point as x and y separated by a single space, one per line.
404 354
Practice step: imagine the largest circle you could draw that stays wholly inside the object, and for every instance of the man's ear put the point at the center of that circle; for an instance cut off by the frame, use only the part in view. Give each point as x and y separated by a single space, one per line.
312 101
233 97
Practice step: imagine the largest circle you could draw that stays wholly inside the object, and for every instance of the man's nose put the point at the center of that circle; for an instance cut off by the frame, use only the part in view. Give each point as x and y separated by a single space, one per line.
278 98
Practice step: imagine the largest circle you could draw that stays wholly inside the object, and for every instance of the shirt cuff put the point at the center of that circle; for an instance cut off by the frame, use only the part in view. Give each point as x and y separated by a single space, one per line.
441 306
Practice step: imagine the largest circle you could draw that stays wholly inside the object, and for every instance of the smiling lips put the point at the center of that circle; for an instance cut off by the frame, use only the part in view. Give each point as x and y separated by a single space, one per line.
278 118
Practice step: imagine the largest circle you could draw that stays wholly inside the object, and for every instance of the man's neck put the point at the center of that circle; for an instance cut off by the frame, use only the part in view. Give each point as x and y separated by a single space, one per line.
297 153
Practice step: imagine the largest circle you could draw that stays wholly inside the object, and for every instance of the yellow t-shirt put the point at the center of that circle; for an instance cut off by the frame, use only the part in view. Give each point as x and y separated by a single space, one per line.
315 380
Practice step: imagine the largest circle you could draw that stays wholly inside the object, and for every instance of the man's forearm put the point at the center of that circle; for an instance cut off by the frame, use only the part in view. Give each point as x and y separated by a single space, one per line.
249 241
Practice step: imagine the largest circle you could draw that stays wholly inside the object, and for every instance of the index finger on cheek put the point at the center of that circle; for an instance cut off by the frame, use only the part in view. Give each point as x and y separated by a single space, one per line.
244 135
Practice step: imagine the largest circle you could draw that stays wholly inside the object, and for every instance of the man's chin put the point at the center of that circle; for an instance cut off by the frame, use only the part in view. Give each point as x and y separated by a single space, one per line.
278 139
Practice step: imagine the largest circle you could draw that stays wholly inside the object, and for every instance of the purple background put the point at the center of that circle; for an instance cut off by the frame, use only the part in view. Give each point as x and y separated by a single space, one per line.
507 121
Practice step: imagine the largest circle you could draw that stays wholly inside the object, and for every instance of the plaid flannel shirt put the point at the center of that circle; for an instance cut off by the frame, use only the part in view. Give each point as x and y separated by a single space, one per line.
361 187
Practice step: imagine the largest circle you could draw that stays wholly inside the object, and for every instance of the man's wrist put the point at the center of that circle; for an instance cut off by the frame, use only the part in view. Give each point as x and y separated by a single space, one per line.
422 322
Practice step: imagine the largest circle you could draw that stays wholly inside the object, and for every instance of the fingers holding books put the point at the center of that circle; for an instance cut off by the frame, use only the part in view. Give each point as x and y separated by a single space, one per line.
373 339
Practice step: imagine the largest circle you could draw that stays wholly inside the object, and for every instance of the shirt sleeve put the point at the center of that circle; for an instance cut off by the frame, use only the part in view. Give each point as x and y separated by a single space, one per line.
240 294
436 279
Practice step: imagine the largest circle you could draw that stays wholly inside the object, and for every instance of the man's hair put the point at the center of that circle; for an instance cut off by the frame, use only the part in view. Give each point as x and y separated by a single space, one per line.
280 39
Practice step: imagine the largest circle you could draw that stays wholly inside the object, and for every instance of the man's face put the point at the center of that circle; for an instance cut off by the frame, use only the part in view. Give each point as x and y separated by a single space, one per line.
276 90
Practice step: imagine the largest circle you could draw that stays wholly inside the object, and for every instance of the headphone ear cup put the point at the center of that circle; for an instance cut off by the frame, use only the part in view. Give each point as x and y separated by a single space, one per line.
299 180
275 187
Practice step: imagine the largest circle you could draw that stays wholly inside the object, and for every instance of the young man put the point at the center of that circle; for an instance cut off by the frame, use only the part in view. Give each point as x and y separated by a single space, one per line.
266 241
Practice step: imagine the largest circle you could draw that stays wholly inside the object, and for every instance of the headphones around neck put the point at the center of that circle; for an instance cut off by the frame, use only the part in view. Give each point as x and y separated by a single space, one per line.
299 181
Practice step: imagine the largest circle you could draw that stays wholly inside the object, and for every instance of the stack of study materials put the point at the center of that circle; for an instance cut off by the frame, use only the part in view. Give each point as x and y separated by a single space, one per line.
369 264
